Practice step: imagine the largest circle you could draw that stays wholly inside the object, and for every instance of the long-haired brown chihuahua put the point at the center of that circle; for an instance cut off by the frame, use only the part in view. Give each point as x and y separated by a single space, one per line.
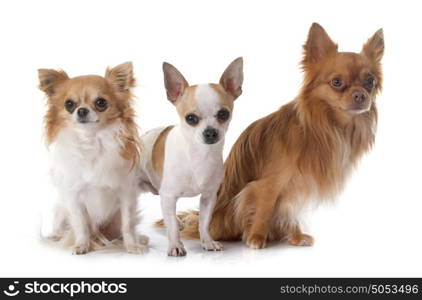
305 150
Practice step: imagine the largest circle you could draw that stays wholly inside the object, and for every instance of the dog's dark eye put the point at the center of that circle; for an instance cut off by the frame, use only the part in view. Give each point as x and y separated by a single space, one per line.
101 104
192 119
223 115
69 105
336 82
370 82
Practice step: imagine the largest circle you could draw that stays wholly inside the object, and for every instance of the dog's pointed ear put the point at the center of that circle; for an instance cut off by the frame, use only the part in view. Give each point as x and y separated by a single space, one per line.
232 78
318 45
121 77
174 82
49 79
374 47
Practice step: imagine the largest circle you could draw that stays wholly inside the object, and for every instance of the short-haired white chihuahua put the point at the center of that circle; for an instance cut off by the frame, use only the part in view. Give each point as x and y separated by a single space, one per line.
186 160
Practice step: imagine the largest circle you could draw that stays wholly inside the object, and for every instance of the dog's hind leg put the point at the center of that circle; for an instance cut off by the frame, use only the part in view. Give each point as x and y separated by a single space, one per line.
257 203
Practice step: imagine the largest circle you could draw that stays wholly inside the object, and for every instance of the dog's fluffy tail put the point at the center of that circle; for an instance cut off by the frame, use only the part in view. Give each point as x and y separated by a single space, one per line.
222 227
224 224
188 223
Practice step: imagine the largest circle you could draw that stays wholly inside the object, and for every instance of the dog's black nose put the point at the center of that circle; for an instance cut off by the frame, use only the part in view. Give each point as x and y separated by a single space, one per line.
359 97
82 112
210 135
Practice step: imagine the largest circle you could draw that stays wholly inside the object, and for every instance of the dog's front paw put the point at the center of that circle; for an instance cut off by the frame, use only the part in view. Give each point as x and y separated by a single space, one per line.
176 250
301 240
212 246
136 248
256 241
81 249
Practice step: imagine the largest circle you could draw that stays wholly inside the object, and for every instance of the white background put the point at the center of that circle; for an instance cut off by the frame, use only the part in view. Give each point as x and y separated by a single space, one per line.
372 229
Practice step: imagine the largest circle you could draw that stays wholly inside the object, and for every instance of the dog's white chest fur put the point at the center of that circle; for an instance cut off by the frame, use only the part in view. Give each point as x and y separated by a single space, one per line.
194 168
81 157
189 169
89 165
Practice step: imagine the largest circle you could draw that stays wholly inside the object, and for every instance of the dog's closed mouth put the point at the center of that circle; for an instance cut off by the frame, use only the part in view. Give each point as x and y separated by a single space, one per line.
357 111
88 122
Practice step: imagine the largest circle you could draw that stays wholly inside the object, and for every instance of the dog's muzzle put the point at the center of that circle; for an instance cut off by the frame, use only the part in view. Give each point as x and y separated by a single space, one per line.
210 135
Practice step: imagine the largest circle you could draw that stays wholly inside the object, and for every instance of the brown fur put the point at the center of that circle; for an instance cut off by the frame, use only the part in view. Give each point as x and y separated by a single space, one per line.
188 102
226 99
305 149
158 151
115 87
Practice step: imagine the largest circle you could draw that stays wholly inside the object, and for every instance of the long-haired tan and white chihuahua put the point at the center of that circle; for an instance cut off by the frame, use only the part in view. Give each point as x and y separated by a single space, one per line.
95 149
304 150
187 159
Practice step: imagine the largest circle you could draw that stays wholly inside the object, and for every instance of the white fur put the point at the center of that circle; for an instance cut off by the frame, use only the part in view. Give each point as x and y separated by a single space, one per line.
95 184
191 168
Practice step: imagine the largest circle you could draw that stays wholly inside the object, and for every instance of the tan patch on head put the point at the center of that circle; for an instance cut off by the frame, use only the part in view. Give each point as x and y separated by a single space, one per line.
158 151
186 103
226 100
84 90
